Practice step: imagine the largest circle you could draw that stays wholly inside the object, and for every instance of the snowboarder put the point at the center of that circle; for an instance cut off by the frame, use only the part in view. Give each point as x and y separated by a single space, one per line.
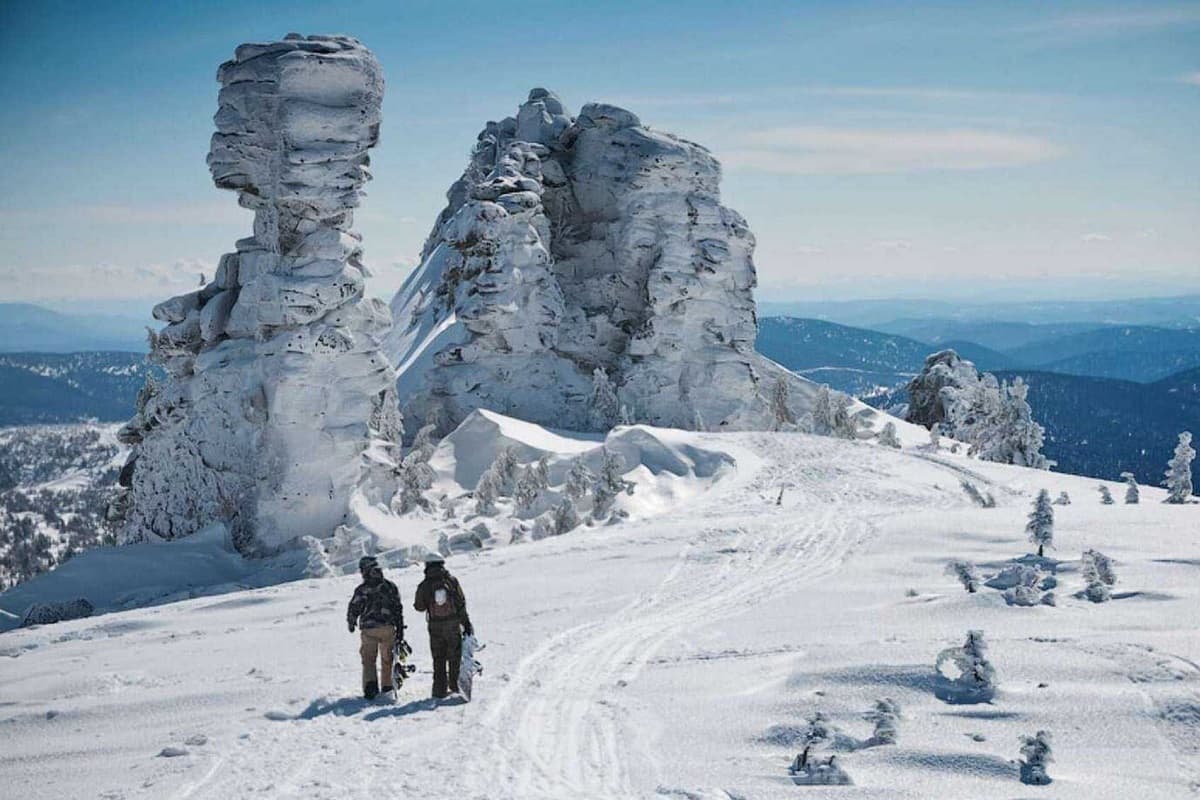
377 611
441 598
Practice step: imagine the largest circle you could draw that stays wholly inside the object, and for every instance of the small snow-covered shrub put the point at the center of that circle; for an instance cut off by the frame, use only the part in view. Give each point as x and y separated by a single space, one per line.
886 716
809 772
965 572
1105 495
609 483
887 436
543 527
1097 570
565 518
1036 754
579 481
980 499
1132 493
976 680
1063 499
488 490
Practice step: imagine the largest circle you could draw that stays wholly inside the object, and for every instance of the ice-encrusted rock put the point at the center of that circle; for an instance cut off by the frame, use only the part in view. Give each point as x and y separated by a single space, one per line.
580 250
276 383
932 393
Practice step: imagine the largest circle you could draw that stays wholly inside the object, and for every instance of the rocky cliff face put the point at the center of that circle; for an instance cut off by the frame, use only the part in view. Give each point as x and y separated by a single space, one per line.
276 384
578 258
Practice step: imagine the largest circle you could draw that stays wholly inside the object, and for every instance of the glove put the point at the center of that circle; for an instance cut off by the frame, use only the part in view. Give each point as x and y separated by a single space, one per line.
468 629
351 626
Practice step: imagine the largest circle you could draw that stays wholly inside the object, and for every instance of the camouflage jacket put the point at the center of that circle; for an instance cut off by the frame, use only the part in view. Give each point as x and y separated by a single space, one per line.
376 603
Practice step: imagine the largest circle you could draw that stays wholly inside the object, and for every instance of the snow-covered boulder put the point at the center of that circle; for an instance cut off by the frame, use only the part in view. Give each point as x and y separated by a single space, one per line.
929 402
276 382
585 273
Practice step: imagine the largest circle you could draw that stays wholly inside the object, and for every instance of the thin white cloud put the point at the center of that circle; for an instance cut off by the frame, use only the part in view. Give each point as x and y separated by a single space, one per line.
1095 237
118 214
1109 23
890 246
813 150
102 281
1191 78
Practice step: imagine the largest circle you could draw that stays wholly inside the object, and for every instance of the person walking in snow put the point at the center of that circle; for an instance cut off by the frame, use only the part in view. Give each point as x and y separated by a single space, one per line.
377 611
441 598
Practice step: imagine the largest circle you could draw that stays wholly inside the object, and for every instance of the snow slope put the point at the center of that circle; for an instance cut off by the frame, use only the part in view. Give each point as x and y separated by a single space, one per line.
672 656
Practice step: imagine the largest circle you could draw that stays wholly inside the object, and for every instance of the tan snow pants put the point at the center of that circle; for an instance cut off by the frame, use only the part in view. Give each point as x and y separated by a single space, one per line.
377 647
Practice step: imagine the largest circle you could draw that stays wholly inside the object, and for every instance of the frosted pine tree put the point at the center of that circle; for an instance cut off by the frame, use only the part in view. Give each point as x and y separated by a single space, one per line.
564 517
780 406
505 467
603 407
531 482
966 574
1132 494
609 483
414 477
978 497
1012 436
317 564
1179 471
579 481
823 411
1036 755
1097 570
488 491
1063 499
935 436
887 436
845 426
424 442
1041 523
1106 497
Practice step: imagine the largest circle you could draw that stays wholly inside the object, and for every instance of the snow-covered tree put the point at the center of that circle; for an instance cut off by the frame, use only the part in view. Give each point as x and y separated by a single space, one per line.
317 564
626 415
1097 570
532 481
1036 755
886 716
780 405
1132 493
488 491
564 517
845 425
966 574
887 436
579 481
414 476
1011 436
1063 499
603 407
610 482
981 499
543 527
1041 522
935 436
806 771
977 677
1179 471
823 411
425 441
1024 586
1106 497
505 467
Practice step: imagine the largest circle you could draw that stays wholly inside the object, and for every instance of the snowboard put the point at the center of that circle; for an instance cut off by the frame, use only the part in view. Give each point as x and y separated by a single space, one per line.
401 669
469 666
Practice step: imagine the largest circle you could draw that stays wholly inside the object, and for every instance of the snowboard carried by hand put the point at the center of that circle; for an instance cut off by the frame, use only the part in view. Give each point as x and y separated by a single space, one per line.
469 666
401 669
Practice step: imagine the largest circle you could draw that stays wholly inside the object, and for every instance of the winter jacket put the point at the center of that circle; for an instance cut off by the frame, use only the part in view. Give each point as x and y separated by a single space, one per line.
436 576
376 602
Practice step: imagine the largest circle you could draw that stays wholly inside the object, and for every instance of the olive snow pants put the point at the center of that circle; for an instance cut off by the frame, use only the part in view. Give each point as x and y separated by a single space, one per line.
377 647
445 643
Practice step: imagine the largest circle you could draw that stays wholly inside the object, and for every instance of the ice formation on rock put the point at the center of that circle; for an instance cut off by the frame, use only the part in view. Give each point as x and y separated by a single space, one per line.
276 383
576 251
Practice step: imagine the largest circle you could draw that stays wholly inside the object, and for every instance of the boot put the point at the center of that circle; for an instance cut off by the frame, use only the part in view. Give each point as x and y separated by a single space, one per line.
371 690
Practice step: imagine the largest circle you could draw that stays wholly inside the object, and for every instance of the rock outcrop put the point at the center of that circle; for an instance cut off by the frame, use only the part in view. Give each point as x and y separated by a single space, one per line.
933 392
276 383
584 272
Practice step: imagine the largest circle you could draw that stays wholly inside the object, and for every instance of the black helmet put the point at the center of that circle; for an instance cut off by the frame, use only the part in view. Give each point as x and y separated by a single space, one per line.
367 563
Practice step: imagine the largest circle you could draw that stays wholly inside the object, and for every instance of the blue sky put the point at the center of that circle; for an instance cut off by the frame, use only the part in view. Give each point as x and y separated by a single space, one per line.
956 149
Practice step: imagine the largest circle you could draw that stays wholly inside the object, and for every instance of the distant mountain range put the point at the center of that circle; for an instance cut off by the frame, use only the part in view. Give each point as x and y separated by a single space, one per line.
37 388
26 328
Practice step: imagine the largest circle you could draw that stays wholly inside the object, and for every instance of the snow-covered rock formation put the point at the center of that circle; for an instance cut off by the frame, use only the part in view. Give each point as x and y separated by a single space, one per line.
276 384
583 273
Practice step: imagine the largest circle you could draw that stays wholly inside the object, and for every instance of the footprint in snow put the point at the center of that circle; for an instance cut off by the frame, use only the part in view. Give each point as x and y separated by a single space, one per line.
278 716
173 752
198 740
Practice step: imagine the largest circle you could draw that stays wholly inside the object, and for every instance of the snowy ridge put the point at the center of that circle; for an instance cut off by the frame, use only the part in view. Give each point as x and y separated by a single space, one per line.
677 654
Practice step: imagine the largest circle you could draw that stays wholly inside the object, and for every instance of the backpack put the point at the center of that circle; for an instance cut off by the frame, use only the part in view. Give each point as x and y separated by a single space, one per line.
443 600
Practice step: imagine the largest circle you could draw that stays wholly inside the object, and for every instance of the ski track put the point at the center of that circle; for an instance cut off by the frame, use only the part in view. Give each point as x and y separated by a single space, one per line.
564 699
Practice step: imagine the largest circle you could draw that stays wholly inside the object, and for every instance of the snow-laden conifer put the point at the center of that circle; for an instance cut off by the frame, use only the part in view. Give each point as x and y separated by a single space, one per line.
1106 497
1099 575
610 482
976 681
966 574
887 436
1036 755
603 407
886 716
317 564
1041 523
1179 471
1063 499
579 481
1132 493
781 406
